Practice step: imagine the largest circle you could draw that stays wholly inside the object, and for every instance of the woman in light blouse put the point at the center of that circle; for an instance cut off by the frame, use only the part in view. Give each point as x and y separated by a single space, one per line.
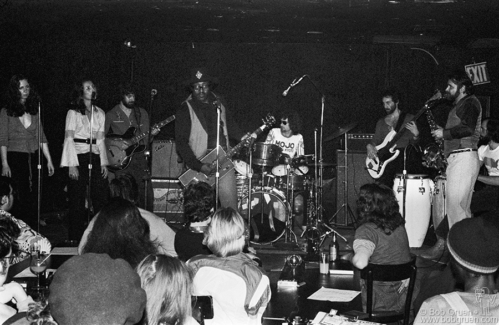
77 157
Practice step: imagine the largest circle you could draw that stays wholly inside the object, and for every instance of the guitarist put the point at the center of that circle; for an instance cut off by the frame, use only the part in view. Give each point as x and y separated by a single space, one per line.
196 130
118 120
395 119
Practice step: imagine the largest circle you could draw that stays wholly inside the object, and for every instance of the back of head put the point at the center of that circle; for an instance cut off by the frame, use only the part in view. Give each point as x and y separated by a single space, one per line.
5 184
95 289
199 201
493 130
474 244
124 186
167 282
121 232
225 234
377 204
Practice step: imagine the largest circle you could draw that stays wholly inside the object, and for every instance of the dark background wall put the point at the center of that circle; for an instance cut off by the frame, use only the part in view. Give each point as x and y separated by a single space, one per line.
252 78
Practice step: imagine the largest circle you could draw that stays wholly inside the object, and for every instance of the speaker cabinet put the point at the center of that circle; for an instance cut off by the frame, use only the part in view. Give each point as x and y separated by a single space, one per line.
165 161
168 200
351 175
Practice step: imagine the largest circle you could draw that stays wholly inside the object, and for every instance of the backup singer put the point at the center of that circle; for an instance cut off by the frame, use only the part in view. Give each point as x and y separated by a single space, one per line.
118 120
395 120
19 145
196 130
76 157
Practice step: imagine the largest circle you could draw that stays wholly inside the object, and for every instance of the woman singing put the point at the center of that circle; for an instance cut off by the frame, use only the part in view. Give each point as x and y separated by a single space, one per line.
19 141
76 155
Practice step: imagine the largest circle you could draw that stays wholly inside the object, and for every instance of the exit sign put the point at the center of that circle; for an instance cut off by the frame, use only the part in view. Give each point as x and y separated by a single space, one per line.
478 73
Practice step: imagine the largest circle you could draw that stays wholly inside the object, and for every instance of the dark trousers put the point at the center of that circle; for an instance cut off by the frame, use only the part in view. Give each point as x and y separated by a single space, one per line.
79 215
24 175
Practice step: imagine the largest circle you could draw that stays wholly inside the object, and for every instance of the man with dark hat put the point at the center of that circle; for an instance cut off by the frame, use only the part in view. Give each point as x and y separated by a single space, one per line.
118 120
196 130
473 244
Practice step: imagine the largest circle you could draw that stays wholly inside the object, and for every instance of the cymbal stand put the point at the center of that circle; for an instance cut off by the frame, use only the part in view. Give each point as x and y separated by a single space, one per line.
290 198
345 206
249 172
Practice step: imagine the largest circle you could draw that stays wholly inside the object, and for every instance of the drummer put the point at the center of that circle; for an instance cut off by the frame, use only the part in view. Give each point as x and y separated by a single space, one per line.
288 138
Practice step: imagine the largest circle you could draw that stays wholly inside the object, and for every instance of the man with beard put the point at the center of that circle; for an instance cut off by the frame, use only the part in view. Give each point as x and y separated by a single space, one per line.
395 120
118 120
460 135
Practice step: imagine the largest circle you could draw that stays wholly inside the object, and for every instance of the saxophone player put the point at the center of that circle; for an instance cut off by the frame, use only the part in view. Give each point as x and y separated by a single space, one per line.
460 136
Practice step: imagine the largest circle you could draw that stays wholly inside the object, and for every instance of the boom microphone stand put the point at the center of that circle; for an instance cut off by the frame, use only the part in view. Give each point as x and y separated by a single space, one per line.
39 166
90 209
148 152
217 173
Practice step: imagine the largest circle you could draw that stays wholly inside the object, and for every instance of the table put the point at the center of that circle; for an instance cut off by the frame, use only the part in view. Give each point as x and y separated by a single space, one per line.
291 301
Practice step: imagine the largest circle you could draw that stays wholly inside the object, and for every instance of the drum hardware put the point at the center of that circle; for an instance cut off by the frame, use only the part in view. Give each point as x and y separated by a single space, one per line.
345 206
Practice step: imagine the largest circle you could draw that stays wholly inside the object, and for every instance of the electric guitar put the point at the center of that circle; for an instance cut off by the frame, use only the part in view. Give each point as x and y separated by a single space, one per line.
119 158
224 163
386 150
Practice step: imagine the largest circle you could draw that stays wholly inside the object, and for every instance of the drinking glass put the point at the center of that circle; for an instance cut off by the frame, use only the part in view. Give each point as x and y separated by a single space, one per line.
37 265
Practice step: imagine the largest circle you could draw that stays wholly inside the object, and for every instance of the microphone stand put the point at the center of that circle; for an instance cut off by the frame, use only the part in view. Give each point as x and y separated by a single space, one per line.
90 209
404 183
217 173
249 172
39 166
148 152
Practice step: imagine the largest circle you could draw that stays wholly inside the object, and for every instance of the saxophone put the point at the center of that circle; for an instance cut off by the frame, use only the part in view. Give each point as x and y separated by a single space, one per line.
434 152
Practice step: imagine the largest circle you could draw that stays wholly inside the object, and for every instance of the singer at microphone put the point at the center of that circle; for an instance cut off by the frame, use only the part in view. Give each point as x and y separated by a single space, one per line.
127 120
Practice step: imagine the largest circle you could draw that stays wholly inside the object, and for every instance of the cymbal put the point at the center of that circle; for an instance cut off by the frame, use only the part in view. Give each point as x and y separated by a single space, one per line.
323 164
341 131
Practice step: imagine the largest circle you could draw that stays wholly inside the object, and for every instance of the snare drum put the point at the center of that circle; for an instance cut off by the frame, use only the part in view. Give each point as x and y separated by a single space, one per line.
269 211
295 183
417 205
266 154
439 207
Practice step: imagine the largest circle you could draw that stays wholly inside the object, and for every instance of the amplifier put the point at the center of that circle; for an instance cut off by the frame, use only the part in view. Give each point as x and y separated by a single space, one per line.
165 161
357 141
168 200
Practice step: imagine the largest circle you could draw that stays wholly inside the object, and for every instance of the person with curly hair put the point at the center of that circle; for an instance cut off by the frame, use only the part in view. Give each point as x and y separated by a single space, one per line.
11 291
121 232
199 203
19 141
381 239
168 285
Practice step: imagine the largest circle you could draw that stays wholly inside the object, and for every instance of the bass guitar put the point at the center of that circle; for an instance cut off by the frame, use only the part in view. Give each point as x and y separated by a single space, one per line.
120 158
224 159
386 150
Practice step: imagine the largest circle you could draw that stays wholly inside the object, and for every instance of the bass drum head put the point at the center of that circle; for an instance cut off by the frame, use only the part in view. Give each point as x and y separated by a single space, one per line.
269 212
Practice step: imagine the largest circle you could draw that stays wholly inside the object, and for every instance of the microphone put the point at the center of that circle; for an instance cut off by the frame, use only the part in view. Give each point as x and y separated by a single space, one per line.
294 83
154 92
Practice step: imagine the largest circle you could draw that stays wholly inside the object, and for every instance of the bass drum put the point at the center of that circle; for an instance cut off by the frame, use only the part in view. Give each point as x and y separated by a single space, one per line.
269 211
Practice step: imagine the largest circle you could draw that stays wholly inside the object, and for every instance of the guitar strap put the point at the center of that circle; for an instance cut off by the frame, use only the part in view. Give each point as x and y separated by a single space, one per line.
400 121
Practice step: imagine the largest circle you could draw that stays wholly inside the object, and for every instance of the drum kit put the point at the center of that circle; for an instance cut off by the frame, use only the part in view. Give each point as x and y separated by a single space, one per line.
272 182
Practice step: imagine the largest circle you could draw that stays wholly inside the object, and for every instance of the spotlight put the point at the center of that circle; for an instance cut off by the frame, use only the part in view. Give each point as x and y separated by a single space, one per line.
128 43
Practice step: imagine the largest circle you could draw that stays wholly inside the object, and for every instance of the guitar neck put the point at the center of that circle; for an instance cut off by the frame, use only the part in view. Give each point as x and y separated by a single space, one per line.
401 132
238 147
142 135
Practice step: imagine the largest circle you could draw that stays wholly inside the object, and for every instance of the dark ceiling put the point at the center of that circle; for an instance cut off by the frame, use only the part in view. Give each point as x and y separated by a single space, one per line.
253 21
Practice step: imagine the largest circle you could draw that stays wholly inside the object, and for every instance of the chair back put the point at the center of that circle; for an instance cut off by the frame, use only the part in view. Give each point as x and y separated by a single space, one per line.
389 273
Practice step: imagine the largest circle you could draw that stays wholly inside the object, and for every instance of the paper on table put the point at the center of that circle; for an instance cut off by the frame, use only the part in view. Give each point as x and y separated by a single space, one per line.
328 294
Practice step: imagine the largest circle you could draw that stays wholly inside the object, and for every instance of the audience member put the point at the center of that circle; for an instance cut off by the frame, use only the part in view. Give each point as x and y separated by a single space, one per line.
168 285
121 232
125 187
381 239
474 248
199 203
27 238
239 288
11 291
96 289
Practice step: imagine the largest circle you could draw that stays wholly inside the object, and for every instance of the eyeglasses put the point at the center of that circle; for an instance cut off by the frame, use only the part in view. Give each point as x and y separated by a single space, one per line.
199 87
284 122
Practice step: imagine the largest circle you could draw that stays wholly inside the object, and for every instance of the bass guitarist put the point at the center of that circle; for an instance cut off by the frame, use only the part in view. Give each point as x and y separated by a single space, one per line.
196 130
118 120
395 120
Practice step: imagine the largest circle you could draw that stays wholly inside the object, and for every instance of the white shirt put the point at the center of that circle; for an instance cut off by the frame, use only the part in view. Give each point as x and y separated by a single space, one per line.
292 146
